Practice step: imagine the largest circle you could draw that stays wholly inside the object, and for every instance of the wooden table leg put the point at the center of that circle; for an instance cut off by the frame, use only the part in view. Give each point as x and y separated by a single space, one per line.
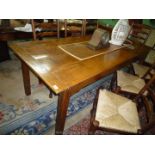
26 78
40 81
63 102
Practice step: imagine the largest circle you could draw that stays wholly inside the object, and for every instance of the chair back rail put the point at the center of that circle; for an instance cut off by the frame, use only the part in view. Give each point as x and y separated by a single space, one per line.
47 29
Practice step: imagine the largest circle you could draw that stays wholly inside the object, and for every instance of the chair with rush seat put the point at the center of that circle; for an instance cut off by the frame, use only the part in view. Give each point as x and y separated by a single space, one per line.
145 66
140 69
145 36
118 114
144 70
129 84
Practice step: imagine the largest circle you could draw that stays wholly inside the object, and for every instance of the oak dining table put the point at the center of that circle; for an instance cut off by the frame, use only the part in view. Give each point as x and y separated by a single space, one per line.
63 73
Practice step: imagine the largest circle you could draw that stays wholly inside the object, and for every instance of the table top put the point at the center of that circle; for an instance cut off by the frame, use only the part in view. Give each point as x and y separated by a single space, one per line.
60 71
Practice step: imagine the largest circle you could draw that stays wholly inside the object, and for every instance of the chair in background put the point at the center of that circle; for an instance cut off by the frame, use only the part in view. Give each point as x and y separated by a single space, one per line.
139 33
140 69
118 114
74 27
130 84
89 26
105 27
143 70
82 27
146 68
45 28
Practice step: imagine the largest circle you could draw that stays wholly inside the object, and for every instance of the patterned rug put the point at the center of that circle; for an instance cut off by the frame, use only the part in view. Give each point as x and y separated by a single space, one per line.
17 109
82 127
34 114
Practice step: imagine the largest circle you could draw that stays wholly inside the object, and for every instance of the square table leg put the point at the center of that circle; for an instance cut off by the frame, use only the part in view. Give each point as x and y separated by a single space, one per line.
26 78
63 102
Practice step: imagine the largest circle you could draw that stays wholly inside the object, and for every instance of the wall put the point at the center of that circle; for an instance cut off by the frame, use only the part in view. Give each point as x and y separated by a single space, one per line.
108 22
150 22
112 22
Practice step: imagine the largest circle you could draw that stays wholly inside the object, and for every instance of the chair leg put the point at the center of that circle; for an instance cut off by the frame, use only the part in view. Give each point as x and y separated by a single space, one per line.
39 81
131 69
113 80
92 129
50 94
93 124
117 90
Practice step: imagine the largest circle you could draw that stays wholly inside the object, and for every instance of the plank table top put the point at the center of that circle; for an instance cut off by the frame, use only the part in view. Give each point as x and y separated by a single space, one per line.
61 71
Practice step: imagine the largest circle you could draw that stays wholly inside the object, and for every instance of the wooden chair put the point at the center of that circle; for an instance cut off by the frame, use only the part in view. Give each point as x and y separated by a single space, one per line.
115 113
89 26
123 82
45 29
143 35
108 28
144 71
139 33
140 69
74 27
131 84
